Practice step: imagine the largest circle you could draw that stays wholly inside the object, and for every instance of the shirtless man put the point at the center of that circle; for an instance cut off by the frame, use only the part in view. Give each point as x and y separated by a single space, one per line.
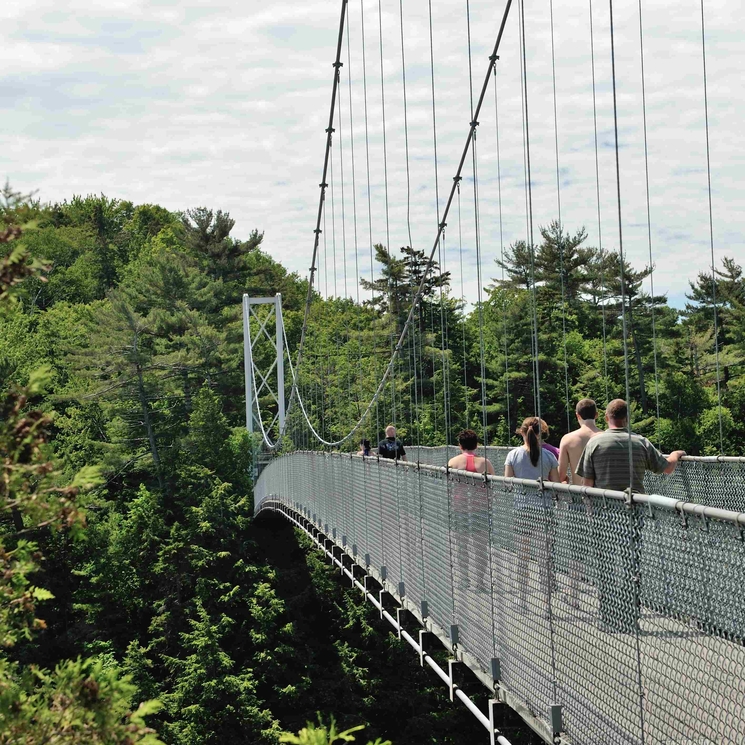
572 444
570 451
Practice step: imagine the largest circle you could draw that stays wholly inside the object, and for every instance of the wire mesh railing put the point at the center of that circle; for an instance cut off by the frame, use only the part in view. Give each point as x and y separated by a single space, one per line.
716 481
628 615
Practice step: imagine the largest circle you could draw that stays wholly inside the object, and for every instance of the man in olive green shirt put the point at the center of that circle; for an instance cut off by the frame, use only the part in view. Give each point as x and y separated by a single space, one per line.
605 463
605 460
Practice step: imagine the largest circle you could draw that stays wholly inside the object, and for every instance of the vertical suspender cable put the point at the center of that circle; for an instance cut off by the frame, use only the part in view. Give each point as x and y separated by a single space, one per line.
649 223
325 252
711 232
501 255
385 147
597 191
621 257
444 345
549 590
441 245
369 197
528 218
463 300
354 181
561 226
354 209
474 162
385 178
437 185
333 216
348 386
341 177
408 177
549 580
625 339
406 122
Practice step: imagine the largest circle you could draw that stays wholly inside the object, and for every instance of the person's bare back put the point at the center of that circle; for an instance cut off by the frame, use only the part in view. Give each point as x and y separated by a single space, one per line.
573 443
459 462
468 442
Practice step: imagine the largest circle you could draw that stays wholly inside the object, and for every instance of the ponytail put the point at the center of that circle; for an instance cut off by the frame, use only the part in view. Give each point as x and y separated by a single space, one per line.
530 430
535 449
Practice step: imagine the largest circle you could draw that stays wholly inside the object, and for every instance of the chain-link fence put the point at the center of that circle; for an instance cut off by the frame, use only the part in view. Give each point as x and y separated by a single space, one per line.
628 615
716 481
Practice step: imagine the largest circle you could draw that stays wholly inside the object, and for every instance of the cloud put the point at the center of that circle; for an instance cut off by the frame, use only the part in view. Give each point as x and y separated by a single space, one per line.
225 104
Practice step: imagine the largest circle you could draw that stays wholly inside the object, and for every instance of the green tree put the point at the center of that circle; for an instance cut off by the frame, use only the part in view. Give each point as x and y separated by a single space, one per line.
80 701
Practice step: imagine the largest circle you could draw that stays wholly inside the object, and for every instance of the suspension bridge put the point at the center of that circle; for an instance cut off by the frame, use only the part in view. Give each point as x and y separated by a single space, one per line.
599 616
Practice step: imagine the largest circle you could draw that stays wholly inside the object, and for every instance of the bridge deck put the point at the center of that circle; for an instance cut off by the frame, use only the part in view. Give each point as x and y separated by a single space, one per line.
629 615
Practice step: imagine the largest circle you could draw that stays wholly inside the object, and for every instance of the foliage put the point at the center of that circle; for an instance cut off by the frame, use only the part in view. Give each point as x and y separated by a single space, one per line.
322 735
127 470
80 701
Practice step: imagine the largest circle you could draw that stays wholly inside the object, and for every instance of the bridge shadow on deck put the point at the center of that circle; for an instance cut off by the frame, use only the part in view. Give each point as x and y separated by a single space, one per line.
349 665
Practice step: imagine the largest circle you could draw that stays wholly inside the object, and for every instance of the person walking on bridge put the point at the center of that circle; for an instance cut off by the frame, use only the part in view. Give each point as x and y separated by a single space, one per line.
391 447
531 461
617 460
468 460
605 461
573 444
570 451
471 513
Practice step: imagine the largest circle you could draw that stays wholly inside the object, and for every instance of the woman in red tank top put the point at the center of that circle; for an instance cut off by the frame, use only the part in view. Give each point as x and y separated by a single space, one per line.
470 515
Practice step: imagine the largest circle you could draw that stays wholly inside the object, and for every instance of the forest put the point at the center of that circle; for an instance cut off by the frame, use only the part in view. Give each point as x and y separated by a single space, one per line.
142 603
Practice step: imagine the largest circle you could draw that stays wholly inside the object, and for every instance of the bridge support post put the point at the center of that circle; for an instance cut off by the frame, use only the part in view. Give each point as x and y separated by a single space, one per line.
257 381
557 720
451 663
493 703
422 632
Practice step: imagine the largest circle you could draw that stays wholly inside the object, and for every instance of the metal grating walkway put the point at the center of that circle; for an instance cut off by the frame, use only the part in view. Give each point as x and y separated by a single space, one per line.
630 617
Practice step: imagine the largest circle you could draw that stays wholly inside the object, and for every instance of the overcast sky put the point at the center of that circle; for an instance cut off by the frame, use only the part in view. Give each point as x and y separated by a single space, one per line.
224 103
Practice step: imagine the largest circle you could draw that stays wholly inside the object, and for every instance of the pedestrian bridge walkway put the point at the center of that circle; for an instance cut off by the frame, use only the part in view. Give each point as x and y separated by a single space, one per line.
598 618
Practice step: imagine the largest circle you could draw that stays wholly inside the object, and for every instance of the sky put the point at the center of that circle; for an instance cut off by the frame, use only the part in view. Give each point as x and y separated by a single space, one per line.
224 104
